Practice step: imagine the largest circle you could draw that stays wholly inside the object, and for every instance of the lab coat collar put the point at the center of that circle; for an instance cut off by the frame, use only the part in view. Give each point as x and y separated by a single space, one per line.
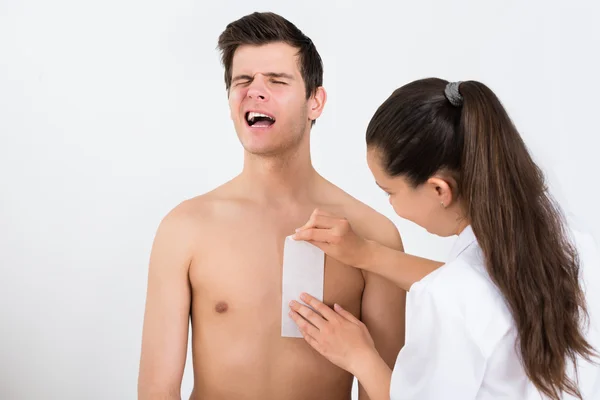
465 239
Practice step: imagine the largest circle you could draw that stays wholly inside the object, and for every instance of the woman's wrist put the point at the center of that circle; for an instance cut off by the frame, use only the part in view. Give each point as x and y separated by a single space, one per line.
374 375
369 254
397 266
376 256
365 363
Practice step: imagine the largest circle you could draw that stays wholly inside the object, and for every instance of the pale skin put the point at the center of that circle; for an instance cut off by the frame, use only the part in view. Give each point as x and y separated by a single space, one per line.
333 331
217 259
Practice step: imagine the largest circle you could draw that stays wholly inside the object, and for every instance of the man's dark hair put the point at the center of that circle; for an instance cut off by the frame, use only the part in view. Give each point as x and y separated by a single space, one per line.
267 27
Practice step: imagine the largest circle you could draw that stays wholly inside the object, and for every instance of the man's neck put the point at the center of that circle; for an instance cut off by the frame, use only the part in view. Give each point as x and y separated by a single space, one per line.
283 179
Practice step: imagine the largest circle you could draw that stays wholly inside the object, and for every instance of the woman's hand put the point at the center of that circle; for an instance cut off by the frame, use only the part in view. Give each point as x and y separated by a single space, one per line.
335 237
337 335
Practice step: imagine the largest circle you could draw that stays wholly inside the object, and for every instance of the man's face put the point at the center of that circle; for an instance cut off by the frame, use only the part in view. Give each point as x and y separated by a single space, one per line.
267 98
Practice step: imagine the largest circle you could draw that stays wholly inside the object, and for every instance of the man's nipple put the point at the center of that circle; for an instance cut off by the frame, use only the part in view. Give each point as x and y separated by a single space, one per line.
221 307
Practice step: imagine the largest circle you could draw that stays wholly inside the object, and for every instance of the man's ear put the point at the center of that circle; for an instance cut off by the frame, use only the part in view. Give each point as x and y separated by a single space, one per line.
316 103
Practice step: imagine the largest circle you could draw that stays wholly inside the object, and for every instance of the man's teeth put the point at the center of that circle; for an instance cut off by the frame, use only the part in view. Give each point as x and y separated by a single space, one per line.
252 115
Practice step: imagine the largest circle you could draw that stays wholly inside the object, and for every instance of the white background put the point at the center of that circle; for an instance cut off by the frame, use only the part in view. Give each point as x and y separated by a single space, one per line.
113 112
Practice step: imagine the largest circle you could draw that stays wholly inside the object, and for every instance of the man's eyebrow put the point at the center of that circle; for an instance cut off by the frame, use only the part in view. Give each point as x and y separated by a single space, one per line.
240 77
279 75
269 74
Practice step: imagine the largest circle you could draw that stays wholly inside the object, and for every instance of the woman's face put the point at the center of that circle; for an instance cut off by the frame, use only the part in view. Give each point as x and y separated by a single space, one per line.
430 205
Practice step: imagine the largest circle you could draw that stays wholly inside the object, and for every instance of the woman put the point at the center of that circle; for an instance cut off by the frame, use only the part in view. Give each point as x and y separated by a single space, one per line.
502 318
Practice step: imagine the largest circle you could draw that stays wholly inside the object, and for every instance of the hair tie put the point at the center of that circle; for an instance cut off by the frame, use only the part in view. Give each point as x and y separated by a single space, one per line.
453 95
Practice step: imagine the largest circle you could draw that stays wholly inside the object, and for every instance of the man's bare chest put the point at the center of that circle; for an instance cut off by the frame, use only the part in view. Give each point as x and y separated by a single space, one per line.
242 271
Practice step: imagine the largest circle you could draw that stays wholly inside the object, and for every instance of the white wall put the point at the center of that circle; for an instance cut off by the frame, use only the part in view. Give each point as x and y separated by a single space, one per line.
113 112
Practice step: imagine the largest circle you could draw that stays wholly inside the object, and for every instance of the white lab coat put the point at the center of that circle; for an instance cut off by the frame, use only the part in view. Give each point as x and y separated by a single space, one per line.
460 336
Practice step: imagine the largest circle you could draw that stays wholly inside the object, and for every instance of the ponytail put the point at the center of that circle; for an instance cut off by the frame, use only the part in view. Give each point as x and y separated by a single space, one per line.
520 230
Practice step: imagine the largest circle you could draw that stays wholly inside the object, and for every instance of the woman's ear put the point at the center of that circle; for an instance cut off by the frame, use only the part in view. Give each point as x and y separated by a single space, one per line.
442 190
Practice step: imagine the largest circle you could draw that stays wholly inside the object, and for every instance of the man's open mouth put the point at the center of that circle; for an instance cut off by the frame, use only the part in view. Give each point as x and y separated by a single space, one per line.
258 120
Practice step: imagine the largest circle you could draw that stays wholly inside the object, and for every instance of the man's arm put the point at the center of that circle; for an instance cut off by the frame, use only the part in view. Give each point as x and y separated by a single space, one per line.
383 304
166 319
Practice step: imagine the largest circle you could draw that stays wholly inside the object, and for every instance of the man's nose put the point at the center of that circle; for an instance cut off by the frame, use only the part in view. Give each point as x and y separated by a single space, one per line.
257 90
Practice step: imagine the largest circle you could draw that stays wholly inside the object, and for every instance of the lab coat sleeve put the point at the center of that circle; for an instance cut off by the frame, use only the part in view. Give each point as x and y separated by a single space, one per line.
440 359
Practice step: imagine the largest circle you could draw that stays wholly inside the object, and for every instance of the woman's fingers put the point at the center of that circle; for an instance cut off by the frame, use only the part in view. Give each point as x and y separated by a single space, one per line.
323 213
320 219
304 325
319 307
314 235
308 314
314 343
346 314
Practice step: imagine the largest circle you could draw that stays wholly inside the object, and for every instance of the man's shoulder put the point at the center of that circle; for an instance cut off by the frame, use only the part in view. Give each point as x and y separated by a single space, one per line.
201 210
366 221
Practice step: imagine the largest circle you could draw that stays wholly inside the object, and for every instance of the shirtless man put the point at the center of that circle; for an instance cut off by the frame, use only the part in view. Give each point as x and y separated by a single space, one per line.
217 258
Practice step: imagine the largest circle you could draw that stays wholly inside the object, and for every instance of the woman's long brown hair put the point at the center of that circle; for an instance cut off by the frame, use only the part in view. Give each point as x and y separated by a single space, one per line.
519 227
